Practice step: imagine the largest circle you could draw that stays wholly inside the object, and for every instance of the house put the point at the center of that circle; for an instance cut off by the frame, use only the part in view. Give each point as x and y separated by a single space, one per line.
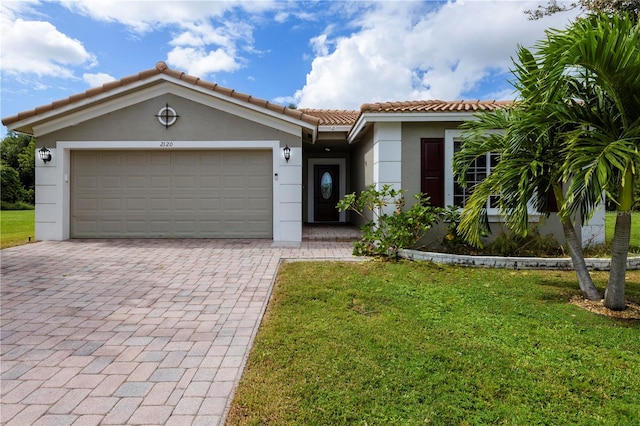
162 154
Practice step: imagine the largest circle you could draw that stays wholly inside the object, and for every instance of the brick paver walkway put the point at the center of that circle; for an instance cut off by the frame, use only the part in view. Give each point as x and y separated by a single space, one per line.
133 331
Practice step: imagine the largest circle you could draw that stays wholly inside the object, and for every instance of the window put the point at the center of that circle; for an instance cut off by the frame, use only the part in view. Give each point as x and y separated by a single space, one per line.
455 194
476 173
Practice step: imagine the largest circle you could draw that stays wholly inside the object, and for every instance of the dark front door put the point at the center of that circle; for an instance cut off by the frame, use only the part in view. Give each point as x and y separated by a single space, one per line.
433 170
326 192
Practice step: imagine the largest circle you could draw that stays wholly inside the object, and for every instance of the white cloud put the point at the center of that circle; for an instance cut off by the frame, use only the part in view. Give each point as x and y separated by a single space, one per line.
198 61
38 47
147 15
404 51
319 45
208 38
97 79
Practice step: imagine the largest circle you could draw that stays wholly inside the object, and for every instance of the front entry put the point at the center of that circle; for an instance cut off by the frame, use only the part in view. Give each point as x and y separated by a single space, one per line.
326 192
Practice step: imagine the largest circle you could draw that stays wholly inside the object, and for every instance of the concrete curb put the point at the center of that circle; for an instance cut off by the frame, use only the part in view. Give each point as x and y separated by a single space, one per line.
564 263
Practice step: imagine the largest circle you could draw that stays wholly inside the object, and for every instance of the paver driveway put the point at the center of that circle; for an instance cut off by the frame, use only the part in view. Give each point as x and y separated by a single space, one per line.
133 331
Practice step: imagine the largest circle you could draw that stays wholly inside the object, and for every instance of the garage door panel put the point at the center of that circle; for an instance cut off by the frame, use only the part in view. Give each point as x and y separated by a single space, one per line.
209 182
187 194
111 159
107 182
136 205
87 204
185 204
110 226
160 182
86 182
135 182
159 158
185 182
188 159
209 204
159 204
111 204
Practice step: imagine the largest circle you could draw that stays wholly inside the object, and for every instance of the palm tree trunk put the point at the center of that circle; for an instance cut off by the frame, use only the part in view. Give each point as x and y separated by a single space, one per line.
577 257
614 295
575 250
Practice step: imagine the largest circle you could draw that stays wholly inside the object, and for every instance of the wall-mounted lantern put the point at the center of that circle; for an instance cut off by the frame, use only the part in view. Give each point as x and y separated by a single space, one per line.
287 153
45 154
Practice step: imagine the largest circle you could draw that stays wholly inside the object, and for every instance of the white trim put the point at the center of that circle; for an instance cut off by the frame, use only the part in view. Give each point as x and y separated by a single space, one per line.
311 162
283 230
405 117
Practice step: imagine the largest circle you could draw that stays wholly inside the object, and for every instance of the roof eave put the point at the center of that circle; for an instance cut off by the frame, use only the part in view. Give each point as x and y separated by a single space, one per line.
367 118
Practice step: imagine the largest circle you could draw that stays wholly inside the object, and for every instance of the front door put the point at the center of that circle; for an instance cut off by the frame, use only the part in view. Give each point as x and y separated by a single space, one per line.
326 192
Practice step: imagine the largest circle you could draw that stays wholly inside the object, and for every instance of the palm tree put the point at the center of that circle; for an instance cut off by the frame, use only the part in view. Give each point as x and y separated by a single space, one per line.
577 123
529 171
600 55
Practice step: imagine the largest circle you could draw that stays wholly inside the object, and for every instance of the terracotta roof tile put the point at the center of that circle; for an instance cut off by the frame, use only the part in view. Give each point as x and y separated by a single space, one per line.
161 68
434 106
333 117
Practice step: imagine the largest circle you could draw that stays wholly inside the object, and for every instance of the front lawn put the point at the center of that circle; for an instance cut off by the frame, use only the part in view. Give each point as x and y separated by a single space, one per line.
413 343
16 226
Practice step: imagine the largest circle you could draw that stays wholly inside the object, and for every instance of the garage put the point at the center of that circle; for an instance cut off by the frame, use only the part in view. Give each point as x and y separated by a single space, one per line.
171 194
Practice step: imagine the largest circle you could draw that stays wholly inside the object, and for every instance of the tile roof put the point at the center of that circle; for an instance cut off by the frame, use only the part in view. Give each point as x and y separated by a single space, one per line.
336 117
162 68
435 106
333 117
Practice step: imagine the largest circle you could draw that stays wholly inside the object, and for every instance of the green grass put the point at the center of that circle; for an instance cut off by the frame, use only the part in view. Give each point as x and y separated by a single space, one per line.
16 226
610 223
414 343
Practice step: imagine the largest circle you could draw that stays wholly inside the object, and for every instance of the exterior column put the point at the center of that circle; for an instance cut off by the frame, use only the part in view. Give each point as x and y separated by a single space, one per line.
289 197
387 156
48 198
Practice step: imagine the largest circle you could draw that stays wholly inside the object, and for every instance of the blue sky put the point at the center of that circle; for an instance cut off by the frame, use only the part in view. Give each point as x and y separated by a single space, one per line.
315 54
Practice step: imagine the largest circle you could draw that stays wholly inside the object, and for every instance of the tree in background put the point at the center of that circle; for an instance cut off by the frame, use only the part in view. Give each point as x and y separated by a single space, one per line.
17 154
609 7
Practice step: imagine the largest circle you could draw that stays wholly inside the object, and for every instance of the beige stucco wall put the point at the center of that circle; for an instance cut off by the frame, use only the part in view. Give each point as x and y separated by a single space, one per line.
196 122
411 155
361 169
411 177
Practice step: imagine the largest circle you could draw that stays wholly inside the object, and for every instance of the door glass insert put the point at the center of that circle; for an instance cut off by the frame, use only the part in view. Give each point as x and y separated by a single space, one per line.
326 185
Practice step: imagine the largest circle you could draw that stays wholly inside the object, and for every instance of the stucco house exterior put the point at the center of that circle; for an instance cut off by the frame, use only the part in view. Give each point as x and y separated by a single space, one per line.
162 154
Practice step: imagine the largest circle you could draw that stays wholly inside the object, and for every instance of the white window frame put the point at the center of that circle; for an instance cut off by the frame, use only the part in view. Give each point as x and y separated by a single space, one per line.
450 137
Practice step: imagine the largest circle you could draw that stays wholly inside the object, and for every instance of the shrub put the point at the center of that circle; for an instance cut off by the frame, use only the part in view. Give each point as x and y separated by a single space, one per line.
533 244
19 205
385 233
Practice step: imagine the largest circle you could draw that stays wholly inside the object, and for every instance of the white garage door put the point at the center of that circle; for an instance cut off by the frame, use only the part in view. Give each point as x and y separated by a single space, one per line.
171 194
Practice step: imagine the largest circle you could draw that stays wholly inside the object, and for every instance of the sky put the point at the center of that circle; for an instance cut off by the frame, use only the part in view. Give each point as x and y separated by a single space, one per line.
314 54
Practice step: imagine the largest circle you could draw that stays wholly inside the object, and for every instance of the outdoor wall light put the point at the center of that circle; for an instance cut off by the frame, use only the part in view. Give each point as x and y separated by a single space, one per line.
287 153
45 154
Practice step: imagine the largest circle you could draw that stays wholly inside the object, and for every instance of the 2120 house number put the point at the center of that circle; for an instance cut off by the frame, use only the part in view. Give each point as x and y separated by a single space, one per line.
166 144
